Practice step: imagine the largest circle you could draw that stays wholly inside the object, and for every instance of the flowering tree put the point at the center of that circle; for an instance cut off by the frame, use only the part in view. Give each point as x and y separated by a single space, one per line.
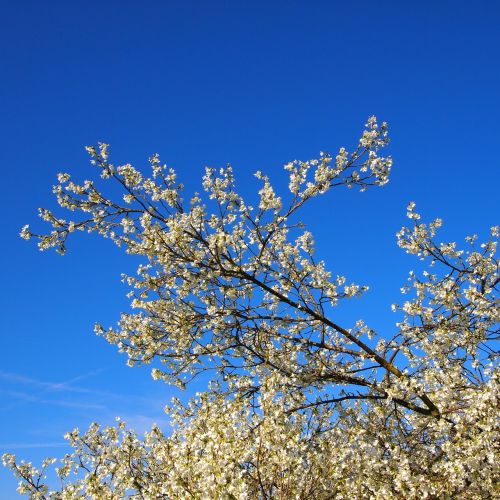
299 406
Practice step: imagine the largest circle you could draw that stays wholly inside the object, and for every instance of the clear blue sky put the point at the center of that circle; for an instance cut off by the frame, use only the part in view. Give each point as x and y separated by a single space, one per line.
255 84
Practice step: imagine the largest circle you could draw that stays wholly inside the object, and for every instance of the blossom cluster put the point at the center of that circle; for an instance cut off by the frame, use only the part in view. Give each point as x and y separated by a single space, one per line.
299 405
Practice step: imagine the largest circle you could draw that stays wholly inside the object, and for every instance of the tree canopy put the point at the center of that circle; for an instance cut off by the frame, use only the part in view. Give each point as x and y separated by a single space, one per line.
299 404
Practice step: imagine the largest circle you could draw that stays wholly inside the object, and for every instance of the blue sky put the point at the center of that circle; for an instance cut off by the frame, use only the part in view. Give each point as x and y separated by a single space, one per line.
254 84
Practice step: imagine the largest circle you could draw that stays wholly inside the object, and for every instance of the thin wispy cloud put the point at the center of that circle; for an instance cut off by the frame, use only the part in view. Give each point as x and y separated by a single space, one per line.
26 390
43 387
139 411
68 386
23 397
20 395
47 386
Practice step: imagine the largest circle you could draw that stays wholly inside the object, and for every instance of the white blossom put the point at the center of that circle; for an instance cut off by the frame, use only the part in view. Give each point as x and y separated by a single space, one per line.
299 406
